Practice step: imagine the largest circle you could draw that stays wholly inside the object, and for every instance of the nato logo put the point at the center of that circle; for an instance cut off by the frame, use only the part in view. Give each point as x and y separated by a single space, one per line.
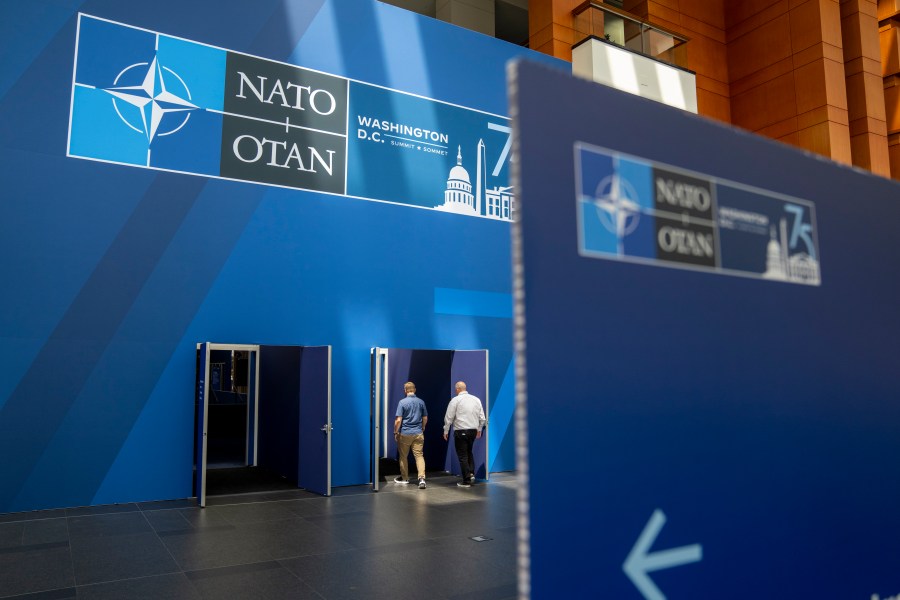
652 213
615 205
145 99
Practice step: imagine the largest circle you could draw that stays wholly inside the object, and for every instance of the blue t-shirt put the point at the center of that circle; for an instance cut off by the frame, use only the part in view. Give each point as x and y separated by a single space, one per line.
411 409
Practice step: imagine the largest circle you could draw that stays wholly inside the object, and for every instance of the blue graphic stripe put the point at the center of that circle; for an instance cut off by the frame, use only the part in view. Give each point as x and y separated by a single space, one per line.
27 36
35 410
226 209
450 301
502 457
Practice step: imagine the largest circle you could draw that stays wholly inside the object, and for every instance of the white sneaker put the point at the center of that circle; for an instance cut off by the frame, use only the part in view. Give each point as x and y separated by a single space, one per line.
401 480
463 484
422 484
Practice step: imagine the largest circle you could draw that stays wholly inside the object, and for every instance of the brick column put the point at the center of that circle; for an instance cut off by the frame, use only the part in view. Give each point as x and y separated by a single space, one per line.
889 31
865 88
551 27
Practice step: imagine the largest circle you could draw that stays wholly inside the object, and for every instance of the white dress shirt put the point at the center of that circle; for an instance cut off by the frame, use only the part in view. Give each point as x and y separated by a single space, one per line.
464 412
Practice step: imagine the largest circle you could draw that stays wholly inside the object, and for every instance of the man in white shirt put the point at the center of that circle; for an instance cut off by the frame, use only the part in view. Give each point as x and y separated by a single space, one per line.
466 415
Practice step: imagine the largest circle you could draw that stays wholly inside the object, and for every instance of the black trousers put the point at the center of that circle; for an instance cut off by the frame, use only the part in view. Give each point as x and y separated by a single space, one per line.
464 439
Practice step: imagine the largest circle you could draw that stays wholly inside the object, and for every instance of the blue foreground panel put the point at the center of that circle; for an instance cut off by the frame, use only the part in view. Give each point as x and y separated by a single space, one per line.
708 328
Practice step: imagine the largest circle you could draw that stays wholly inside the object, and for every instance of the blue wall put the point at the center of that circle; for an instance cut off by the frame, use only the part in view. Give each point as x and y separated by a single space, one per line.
112 273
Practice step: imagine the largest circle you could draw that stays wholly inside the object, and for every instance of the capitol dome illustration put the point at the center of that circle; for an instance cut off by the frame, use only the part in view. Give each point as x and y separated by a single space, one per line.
460 198
776 267
781 265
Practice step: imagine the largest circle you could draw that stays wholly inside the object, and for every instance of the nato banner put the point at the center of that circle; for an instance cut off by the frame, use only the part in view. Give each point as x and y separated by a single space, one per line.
150 100
635 210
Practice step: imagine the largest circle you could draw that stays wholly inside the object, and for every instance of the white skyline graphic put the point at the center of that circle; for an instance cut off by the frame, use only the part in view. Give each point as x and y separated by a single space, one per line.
780 265
497 202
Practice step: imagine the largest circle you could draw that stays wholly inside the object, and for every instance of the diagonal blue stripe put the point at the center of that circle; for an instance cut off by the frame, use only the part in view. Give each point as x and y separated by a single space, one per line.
38 405
26 28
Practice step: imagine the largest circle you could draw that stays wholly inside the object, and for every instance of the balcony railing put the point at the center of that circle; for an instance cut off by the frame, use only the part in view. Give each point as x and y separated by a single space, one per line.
616 26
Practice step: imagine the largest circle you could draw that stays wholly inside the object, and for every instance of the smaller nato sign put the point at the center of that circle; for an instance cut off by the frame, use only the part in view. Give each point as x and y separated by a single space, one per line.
633 210
150 100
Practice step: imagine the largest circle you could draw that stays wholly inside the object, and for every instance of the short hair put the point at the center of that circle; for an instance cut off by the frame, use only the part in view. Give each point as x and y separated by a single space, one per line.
461 385
409 386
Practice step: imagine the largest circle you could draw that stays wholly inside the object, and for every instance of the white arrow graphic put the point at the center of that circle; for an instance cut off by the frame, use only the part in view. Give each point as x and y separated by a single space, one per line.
639 562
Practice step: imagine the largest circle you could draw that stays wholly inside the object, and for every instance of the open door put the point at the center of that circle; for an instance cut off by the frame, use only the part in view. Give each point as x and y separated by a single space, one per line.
201 402
288 414
471 366
227 377
434 372
314 473
379 358
252 409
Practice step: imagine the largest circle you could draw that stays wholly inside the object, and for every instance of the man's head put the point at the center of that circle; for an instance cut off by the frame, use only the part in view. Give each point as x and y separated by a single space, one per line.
409 387
460 387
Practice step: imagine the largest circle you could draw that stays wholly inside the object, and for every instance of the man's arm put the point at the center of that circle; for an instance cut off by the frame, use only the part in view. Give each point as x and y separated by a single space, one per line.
481 419
397 423
450 415
424 422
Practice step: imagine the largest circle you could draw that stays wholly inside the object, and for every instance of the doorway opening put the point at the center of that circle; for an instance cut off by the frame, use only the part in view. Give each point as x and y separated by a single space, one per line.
434 372
263 419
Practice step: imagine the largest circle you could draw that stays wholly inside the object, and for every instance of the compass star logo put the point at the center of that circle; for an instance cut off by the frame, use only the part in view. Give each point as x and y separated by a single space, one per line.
156 101
617 208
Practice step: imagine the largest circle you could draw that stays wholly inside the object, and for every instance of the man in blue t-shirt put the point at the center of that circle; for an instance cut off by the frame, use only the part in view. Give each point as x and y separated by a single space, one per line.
409 432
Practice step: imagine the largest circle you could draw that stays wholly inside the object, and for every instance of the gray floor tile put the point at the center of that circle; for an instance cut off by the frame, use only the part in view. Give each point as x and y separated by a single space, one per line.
57 594
107 525
167 520
253 513
167 504
501 592
11 534
212 547
201 518
28 569
45 531
103 558
334 505
364 531
358 574
269 581
297 537
174 586
33 515
103 509
290 495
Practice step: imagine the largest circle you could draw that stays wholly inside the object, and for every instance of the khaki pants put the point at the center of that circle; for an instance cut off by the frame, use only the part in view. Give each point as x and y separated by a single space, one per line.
417 443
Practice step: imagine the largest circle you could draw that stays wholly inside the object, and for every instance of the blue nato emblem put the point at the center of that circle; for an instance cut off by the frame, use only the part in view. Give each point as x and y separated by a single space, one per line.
145 99
615 205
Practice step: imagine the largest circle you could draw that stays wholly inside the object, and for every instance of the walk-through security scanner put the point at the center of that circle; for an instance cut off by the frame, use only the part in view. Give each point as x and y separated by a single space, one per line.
264 406
434 372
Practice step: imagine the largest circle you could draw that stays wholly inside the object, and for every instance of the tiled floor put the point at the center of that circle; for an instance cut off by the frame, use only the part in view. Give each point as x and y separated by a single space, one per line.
399 543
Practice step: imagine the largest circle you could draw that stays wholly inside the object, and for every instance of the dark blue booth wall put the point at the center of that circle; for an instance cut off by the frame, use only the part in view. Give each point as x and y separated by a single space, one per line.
758 416
112 273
